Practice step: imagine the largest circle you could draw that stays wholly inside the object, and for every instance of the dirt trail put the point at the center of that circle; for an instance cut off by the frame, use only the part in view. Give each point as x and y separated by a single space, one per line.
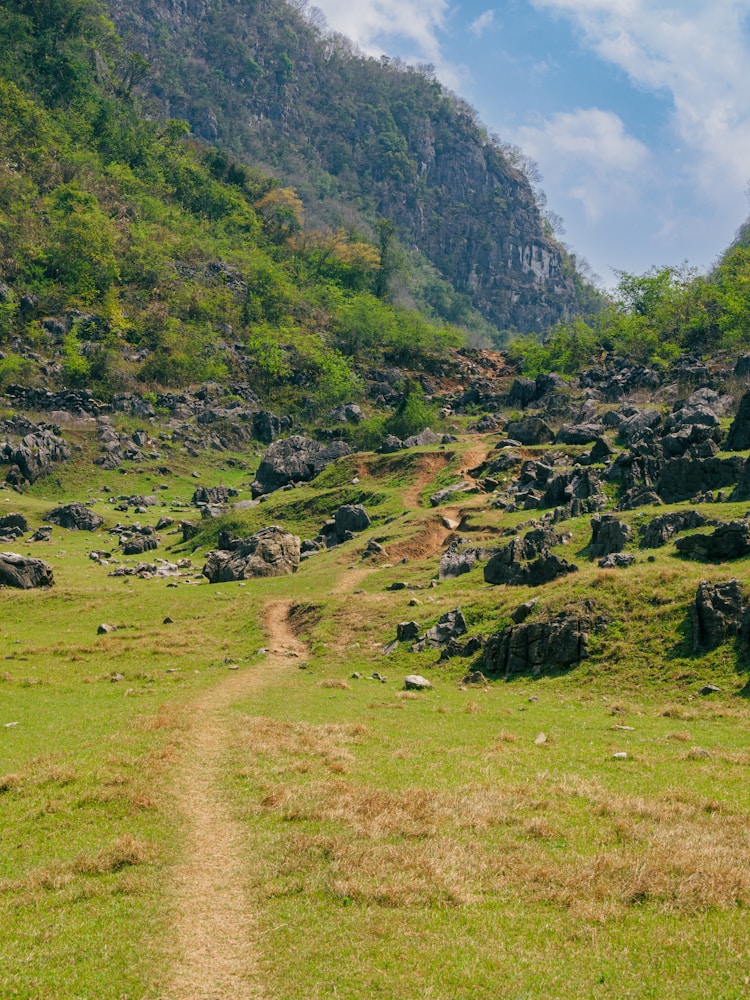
215 924
435 461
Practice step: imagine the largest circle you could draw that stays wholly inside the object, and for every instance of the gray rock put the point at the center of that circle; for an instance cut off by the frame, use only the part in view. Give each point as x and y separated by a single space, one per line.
36 454
585 433
684 478
24 572
415 682
15 521
294 459
267 427
213 495
138 545
75 517
531 431
538 647
617 560
738 438
662 529
730 540
42 534
528 561
407 631
635 428
523 611
270 552
457 560
608 535
346 413
437 498
105 629
351 517
449 626
718 612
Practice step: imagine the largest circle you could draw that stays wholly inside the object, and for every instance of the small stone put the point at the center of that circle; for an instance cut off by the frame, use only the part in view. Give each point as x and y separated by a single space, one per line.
541 739
624 729
168 621
533 698
415 682
621 755
232 666
261 652
698 752
116 678
105 629
415 603
356 676
709 689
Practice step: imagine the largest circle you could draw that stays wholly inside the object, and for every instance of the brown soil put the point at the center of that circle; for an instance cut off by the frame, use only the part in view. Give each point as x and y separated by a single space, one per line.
215 923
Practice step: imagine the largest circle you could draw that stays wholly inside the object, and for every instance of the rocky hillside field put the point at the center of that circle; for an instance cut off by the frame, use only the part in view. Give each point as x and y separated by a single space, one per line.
458 719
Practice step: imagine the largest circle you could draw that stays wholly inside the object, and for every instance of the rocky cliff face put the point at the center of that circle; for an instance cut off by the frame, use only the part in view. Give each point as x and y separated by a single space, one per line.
357 137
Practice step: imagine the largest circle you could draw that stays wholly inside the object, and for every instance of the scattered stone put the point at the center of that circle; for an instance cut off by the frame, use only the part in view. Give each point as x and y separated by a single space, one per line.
105 629
397 585
523 611
621 755
617 560
42 534
415 682
540 739
168 621
116 678
24 572
709 689
449 626
474 677
450 523
437 498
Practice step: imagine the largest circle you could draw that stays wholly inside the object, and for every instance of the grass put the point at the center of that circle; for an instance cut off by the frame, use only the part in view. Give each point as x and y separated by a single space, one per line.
397 844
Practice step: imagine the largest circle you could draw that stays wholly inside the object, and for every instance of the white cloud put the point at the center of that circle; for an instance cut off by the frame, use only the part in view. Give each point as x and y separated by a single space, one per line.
698 51
599 164
368 22
482 23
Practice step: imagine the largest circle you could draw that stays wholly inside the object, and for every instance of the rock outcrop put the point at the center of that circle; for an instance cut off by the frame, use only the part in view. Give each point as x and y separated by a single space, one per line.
296 459
270 552
718 612
24 572
75 517
538 647
730 540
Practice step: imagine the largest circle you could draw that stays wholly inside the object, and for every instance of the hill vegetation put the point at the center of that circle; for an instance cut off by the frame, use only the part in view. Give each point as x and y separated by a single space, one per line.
130 254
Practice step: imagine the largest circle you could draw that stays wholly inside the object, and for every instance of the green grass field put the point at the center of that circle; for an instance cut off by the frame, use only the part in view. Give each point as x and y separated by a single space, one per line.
392 844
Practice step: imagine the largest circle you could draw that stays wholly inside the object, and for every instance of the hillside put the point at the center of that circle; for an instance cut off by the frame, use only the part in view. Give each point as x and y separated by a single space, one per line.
361 140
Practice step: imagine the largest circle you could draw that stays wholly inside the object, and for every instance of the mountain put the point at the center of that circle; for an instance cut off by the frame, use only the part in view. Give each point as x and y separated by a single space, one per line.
361 140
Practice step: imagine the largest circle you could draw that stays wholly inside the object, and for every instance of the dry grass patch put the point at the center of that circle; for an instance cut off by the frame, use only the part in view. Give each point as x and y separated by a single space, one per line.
331 683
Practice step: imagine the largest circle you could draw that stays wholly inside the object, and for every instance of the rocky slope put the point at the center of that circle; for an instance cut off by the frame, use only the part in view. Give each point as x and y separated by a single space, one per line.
360 139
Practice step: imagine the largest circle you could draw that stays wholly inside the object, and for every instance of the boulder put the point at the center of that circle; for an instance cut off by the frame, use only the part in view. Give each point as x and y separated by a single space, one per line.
585 433
42 534
351 517
617 560
522 612
270 552
738 438
662 529
212 495
36 453
457 560
24 572
138 545
75 517
407 631
346 413
14 521
513 564
608 535
267 426
718 612
415 682
538 647
635 428
449 626
531 431
294 459
730 540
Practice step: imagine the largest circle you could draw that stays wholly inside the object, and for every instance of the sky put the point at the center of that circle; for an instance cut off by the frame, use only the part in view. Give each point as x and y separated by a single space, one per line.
637 112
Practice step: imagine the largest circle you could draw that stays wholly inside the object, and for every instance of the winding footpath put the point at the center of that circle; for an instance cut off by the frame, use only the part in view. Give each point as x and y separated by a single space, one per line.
216 926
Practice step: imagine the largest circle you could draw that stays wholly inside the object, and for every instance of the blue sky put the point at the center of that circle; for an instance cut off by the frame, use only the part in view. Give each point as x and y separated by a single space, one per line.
636 111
